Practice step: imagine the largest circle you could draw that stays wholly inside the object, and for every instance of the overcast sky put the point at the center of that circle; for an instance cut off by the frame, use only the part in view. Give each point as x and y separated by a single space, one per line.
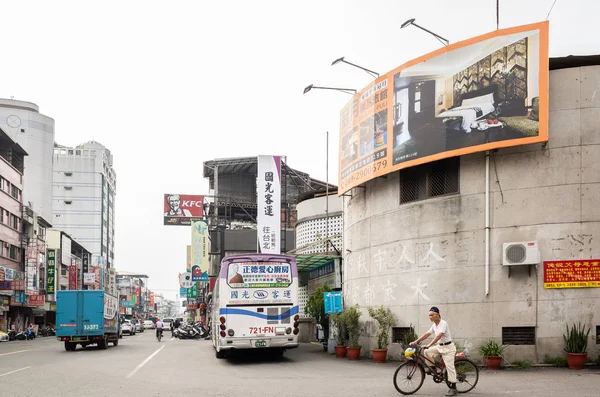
168 85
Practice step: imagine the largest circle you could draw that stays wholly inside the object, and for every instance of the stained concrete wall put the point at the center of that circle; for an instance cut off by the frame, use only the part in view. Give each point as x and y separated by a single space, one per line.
432 252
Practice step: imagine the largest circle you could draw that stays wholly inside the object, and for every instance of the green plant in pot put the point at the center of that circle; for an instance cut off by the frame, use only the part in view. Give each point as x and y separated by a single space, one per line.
492 354
576 342
315 308
338 321
385 321
352 316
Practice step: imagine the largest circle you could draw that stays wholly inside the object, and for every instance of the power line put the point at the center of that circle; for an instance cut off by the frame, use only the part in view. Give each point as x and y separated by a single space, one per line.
551 8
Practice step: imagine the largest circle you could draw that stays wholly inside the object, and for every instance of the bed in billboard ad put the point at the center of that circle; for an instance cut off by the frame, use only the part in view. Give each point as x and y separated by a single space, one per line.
483 93
182 209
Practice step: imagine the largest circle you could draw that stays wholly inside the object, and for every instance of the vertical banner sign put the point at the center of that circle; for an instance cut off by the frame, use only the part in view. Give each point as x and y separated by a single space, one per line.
72 277
188 262
151 299
85 268
200 248
50 271
268 188
138 294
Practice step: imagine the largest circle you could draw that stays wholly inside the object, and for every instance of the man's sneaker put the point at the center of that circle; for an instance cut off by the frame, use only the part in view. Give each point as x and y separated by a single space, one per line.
452 392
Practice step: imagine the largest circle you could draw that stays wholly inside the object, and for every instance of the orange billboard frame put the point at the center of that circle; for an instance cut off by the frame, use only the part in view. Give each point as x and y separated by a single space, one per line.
468 97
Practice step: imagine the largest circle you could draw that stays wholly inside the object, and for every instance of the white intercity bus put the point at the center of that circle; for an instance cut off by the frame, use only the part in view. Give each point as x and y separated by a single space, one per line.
255 304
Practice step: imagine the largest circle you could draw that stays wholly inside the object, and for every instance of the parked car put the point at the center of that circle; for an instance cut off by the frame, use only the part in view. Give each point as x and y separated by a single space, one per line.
139 327
128 327
3 336
148 324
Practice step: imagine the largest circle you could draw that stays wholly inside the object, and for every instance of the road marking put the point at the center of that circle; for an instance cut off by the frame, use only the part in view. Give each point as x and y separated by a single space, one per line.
144 362
18 351
16 370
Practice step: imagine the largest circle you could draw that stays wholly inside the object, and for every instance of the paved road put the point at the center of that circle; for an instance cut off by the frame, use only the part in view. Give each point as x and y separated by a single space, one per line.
141 366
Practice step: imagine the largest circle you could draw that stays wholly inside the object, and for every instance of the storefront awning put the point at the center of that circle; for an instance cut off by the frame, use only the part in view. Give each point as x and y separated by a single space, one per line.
308 262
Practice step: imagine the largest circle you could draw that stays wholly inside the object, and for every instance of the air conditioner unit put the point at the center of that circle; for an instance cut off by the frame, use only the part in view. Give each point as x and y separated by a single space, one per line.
520 253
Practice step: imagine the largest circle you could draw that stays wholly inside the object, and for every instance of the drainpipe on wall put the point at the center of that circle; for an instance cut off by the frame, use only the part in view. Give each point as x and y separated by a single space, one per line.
487 223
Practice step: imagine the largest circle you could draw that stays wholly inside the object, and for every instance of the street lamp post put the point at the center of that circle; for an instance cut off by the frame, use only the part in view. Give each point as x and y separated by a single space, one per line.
412 22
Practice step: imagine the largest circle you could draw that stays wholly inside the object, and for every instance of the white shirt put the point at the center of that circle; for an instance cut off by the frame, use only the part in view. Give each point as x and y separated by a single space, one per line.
441 327
159 324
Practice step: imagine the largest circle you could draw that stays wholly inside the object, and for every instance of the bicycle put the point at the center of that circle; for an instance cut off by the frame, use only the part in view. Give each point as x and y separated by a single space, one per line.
159 332
413 370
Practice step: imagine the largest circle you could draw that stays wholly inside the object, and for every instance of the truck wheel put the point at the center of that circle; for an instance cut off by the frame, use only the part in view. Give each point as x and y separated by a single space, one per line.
116 342
103 344
70 346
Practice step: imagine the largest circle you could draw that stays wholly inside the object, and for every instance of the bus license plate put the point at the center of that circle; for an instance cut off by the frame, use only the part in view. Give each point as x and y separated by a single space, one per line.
260 343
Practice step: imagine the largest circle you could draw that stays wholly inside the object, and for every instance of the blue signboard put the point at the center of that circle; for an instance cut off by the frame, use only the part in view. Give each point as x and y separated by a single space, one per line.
333 302
182 291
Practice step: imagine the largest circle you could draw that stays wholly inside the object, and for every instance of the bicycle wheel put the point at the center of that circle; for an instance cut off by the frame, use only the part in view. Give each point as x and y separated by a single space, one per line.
467 375
409 377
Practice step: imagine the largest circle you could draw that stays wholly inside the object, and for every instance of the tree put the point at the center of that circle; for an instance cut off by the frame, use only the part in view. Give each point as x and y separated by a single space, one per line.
315 308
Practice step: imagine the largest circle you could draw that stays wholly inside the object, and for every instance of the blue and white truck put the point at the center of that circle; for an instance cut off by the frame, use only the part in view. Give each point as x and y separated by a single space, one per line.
87 317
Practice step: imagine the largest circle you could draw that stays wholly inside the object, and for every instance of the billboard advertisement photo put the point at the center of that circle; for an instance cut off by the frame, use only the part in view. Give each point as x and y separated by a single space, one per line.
484 93
182 209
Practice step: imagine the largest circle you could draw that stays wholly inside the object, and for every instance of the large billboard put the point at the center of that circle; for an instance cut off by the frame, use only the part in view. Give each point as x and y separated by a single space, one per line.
488 92
268 186
182 209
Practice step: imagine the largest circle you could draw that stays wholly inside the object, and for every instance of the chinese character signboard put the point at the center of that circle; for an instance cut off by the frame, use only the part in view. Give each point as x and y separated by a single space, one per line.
457 100
151 300
333 302
36 300
268 186
200 249
89 279
50 271
327 274
572 274
72 277
5 286
182 209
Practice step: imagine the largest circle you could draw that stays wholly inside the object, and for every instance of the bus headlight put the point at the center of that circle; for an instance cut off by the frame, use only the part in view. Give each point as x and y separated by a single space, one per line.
288 330
230 332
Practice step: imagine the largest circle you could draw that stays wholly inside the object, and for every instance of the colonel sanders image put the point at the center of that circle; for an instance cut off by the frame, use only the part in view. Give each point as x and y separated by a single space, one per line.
175 210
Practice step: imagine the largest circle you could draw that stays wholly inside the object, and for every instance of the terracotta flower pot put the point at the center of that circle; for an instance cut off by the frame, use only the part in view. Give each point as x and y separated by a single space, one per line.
340 351
379 355
353 353
493 362
576 360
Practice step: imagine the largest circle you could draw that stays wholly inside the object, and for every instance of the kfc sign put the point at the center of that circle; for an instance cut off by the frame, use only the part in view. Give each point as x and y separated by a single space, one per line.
181 209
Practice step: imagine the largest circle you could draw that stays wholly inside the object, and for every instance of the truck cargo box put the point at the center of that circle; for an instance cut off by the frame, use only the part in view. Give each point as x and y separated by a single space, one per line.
86 313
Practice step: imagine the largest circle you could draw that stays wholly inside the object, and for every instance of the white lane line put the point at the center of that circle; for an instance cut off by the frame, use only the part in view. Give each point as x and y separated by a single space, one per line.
144 362
16 370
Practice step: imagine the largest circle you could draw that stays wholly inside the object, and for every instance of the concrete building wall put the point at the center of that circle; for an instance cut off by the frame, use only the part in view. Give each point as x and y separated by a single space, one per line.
10 216
313 224
432 252
35 133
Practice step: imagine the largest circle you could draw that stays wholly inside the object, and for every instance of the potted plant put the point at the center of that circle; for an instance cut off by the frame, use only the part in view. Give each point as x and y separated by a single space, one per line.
576 341
352 317
492 354
385 321
338 320
315 308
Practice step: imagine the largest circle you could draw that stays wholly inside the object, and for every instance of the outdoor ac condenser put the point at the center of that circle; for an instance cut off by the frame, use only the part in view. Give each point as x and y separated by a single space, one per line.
520 253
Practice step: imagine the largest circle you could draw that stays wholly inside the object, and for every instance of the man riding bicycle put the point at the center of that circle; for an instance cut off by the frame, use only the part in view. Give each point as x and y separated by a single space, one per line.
159 327
445 348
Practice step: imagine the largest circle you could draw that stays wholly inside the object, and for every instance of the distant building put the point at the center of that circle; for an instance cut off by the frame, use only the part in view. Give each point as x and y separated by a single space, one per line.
84 188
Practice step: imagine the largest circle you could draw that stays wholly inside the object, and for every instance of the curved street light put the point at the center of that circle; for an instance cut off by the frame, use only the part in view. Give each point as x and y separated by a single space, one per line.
350 91
412 22
372 73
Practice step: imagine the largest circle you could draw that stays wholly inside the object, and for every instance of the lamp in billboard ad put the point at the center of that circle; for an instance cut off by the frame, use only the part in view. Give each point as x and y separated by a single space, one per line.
182 209
483 93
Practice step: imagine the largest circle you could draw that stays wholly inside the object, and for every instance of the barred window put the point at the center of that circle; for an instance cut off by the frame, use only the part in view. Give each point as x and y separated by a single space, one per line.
430 180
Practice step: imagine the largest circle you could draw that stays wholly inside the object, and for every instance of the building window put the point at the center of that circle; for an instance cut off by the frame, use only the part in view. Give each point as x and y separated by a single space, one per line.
399 333
518 335
14 222
430 180
14 253
15 192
